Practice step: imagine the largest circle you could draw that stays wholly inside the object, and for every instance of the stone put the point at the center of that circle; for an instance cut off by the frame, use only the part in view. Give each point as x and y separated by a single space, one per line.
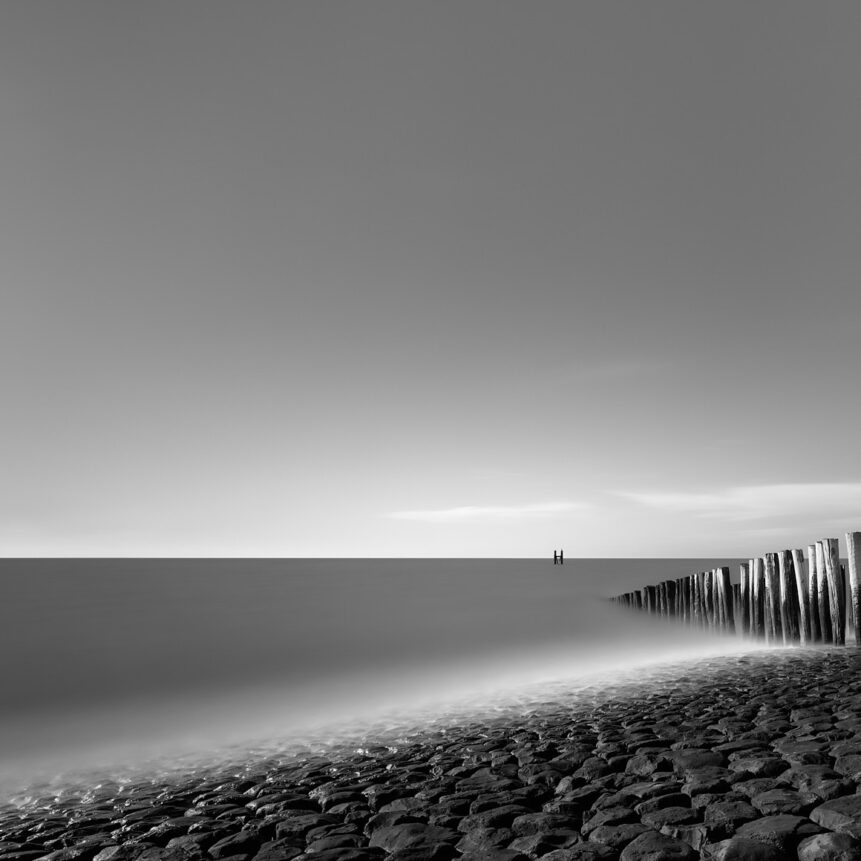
780 801
730 813
741 849
829 847
582 852
397 838
694 759
617 836
759 766
482 839
657 819
782 831
652 846
241 843
840 814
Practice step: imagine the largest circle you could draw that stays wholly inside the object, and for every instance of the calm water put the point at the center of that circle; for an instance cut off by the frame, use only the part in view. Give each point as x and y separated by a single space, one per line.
102 661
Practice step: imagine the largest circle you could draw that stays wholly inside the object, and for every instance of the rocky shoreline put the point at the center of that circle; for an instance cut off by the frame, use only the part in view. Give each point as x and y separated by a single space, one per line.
753 756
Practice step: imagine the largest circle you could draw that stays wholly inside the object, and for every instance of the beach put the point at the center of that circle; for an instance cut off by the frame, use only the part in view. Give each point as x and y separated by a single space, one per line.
754 755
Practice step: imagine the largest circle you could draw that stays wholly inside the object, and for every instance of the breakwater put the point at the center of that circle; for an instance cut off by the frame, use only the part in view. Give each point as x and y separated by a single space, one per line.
780 597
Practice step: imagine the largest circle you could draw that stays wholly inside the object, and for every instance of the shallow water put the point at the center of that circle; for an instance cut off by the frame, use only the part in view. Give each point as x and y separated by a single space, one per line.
103 662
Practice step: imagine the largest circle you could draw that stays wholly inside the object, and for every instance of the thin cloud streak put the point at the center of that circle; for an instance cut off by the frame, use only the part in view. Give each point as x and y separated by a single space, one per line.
755 502
470 513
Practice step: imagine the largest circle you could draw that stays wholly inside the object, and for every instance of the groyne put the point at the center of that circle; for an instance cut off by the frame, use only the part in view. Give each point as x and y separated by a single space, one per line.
780 597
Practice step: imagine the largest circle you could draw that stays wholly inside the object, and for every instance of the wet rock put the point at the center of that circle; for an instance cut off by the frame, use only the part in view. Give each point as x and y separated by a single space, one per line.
652 846
241 843
783 831
277 850
496 817
412 835
483 839
583 852
781 801
671 799
617 836
741 849
840 814
608 816
759 766
829 847
730 814
657 819
495 855
819 780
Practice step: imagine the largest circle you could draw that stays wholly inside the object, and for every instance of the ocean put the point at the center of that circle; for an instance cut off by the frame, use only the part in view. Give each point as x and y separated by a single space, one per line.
109 662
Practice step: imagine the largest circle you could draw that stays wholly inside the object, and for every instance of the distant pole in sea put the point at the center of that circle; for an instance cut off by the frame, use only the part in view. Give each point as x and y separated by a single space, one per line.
853 548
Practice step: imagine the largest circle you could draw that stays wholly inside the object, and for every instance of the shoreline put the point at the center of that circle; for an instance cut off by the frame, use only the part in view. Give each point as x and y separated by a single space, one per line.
754 752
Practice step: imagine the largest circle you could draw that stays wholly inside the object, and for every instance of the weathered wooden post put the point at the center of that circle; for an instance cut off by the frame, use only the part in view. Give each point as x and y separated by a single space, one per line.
813 595
788 598
671 599
738 613
726 595
824 597
710 599
774 629
697 600
853 551
802 597
758 603
836 589
742 617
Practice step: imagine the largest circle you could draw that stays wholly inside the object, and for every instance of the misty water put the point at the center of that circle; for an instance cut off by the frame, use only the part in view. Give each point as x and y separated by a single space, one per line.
105 663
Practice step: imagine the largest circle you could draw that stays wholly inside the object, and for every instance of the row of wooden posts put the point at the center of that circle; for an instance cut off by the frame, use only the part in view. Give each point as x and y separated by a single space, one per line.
780 597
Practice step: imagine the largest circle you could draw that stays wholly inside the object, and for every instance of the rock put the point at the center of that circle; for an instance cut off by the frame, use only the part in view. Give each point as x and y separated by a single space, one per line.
730 813
741 849
277 850
609 816
671 799
496 817
482 839
617 836
535 845
780 801
829 847
694 759
410 835
495 855
241 843
582 852
657 819
298 826
818 780
538 823
759 766
840 814
782 831
652 846
848 765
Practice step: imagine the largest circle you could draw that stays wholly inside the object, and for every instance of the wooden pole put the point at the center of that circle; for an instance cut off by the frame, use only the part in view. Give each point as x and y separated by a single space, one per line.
758 603
813 595
836 589
853 549
726 594
710 599
743 615
772 597
788 598
802 596
671 599
823 598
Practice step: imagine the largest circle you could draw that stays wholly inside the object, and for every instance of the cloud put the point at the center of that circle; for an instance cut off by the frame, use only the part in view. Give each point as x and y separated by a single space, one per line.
470 513
760 501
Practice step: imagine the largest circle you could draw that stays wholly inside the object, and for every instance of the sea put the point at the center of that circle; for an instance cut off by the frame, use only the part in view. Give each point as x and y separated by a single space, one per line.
110 664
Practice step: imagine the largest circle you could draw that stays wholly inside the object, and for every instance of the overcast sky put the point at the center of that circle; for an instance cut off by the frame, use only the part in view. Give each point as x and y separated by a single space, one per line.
438 278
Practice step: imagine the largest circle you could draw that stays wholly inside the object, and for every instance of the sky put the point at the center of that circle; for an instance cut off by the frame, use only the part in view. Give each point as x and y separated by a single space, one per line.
483 278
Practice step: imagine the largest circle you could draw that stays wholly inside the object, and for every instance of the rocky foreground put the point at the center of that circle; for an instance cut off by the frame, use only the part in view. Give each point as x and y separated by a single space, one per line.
743 757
